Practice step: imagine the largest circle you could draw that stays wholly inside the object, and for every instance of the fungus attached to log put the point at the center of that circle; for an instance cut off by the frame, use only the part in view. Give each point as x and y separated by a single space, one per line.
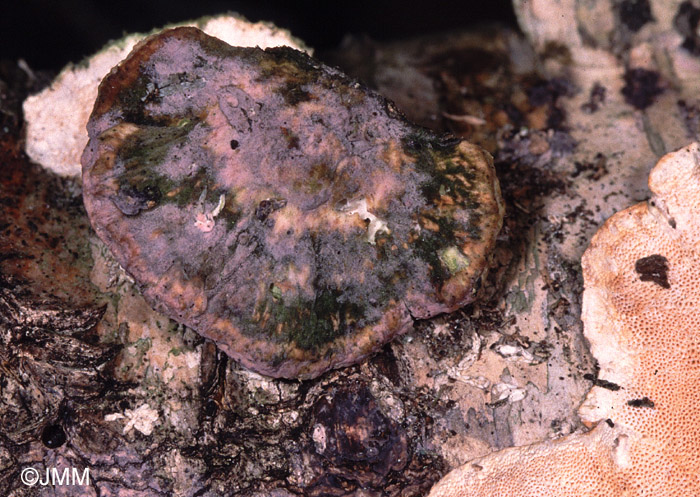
645 334
278 207
56 117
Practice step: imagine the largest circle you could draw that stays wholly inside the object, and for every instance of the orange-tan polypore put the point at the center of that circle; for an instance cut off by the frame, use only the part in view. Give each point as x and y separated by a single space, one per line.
641 315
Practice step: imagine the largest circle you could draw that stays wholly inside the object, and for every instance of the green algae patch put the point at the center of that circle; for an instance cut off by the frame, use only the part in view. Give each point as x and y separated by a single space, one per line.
454 259
278 207
310 324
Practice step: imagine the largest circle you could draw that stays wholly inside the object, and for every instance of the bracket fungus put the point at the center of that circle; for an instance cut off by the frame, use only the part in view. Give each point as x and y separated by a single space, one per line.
641 316
278 207
56 117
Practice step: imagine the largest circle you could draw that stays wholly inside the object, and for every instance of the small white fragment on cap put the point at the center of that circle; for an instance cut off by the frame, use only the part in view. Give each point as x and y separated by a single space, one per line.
205 220
376 225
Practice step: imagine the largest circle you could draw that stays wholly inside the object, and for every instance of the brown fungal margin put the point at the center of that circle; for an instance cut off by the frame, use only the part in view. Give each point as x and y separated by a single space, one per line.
646 338
278 207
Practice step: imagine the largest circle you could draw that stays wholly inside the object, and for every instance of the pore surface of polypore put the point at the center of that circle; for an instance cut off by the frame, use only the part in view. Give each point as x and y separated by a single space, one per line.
641 314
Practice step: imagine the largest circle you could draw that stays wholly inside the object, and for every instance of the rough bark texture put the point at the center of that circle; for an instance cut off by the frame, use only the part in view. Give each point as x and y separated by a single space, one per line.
571 146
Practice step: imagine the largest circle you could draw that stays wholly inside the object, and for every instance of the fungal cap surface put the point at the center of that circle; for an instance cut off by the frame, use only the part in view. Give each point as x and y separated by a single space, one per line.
278 207
56 117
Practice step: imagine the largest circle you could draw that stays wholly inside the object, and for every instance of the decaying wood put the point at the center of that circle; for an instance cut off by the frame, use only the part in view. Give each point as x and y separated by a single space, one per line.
92 377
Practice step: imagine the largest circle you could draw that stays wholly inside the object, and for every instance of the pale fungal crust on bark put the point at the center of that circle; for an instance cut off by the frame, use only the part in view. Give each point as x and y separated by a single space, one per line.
278 207
641 316
586 36
57 116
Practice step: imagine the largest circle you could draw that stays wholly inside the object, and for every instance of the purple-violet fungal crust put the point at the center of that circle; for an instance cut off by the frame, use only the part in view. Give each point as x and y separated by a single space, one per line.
278 207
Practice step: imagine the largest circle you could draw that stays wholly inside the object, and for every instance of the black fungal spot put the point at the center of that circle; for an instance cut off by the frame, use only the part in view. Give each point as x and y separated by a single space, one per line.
293 94
653 268
635 13
686 23
643 402
131 200
267 207
547 93
641 87
595 99
53 436
608 385
593 170
234 144
610 423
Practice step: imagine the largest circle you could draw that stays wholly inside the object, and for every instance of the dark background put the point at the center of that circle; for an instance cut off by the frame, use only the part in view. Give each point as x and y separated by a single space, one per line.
50 33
